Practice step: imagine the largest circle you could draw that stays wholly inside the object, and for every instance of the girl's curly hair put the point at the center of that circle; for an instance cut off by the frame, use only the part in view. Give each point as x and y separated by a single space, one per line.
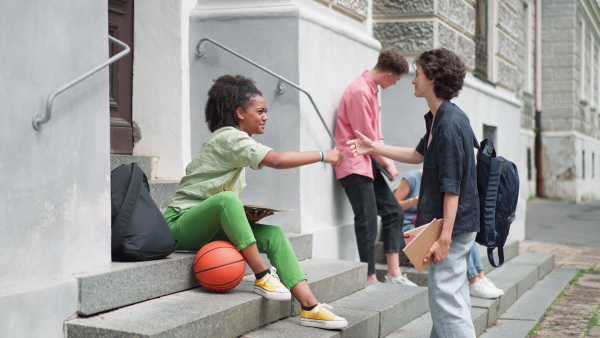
446 68
225 96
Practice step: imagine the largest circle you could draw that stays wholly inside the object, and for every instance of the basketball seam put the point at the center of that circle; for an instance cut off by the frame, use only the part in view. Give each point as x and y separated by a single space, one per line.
236 278
216 267
219 247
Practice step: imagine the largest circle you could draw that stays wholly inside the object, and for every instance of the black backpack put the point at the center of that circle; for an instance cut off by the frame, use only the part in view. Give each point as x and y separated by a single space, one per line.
498 188
139 230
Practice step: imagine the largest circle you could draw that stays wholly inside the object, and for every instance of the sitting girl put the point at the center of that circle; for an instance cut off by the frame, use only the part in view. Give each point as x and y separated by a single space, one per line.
207 207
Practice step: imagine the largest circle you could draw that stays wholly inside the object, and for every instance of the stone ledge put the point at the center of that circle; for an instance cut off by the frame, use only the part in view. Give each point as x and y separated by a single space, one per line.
511 250
198 312
374 312
361 323
534 303
396 304
126 283
514 280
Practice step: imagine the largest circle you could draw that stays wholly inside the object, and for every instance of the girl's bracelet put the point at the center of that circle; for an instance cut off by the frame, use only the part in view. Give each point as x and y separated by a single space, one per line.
322 155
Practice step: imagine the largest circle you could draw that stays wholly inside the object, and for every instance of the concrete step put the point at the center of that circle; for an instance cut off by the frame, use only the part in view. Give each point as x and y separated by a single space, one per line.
511 250
125 283
421 327
199 313
375 311
162 192
148 164
515 277
528 310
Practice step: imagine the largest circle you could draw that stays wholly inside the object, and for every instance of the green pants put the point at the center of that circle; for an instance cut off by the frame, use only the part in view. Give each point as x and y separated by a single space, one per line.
222 217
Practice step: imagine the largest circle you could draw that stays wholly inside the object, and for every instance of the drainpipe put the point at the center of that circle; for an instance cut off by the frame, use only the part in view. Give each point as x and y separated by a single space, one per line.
538 99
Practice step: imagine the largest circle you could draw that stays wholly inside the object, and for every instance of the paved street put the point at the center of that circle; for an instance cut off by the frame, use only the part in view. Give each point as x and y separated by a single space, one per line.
565 223
570 232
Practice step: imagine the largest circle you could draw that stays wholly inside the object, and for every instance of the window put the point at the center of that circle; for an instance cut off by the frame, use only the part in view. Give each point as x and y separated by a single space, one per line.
481 40
593 165
583 164
582 55
489 132
529 171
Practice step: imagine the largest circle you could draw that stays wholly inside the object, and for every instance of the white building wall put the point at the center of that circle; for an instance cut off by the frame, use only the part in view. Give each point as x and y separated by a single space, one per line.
55 181
334 51
161 83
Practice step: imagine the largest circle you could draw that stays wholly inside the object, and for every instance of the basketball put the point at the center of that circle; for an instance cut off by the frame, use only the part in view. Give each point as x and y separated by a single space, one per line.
219 267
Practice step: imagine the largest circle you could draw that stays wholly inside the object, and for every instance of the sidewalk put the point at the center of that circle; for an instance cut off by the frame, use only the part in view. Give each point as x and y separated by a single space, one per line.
575 313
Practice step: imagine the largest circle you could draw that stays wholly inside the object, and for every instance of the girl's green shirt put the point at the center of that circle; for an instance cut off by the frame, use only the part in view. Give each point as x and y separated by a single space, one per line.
219 166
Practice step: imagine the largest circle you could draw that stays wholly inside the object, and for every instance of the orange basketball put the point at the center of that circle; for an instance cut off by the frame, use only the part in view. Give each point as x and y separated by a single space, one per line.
219 267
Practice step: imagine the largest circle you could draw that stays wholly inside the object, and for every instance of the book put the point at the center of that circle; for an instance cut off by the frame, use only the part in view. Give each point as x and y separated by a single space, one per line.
382 169
419 241
259 209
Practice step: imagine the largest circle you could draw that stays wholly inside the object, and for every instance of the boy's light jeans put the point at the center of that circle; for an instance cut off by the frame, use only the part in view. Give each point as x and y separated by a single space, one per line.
449 300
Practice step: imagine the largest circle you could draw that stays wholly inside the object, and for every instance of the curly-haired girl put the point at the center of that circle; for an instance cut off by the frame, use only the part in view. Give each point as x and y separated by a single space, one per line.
207 207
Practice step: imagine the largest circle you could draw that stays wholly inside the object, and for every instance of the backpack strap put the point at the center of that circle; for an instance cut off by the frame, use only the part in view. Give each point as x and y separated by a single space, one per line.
490 252
121 226
489 211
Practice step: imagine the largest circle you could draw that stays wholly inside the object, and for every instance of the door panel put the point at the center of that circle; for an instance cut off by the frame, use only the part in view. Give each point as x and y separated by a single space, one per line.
120 26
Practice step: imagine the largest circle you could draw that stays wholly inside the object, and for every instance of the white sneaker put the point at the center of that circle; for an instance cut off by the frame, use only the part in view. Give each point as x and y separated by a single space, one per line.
489 282
399 280
482 290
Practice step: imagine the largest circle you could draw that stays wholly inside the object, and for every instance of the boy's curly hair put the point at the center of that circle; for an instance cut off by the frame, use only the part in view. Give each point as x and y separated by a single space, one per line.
446 68
225 96
392 61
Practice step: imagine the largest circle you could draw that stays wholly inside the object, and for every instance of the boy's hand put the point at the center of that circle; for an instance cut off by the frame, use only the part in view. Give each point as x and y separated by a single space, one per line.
360 146
438 251
391 168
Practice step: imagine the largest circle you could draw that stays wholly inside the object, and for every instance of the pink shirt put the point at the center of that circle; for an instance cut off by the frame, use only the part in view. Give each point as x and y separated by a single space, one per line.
359 110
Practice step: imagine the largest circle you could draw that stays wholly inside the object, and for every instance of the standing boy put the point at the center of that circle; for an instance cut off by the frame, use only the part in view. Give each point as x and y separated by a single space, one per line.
365 187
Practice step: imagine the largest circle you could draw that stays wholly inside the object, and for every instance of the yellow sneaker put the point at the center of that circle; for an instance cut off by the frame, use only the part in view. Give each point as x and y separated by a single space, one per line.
271 288
322 318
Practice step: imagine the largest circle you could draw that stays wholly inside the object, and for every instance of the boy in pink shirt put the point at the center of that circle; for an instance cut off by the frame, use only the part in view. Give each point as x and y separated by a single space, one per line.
365 186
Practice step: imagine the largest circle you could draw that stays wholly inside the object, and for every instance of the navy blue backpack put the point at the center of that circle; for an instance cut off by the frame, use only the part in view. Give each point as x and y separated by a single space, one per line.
498 188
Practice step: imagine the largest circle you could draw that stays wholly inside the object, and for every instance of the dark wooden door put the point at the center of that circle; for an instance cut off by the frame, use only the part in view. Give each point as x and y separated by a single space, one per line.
120 26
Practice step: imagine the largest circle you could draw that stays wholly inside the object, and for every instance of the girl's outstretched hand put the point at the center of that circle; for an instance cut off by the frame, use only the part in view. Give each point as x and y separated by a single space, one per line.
334 157
361 145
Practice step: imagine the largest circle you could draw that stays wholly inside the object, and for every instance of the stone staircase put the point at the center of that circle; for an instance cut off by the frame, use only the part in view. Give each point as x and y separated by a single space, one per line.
530 283
162 298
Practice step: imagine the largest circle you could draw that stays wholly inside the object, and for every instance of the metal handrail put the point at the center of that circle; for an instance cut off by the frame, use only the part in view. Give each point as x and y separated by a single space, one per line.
280 87
39 119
